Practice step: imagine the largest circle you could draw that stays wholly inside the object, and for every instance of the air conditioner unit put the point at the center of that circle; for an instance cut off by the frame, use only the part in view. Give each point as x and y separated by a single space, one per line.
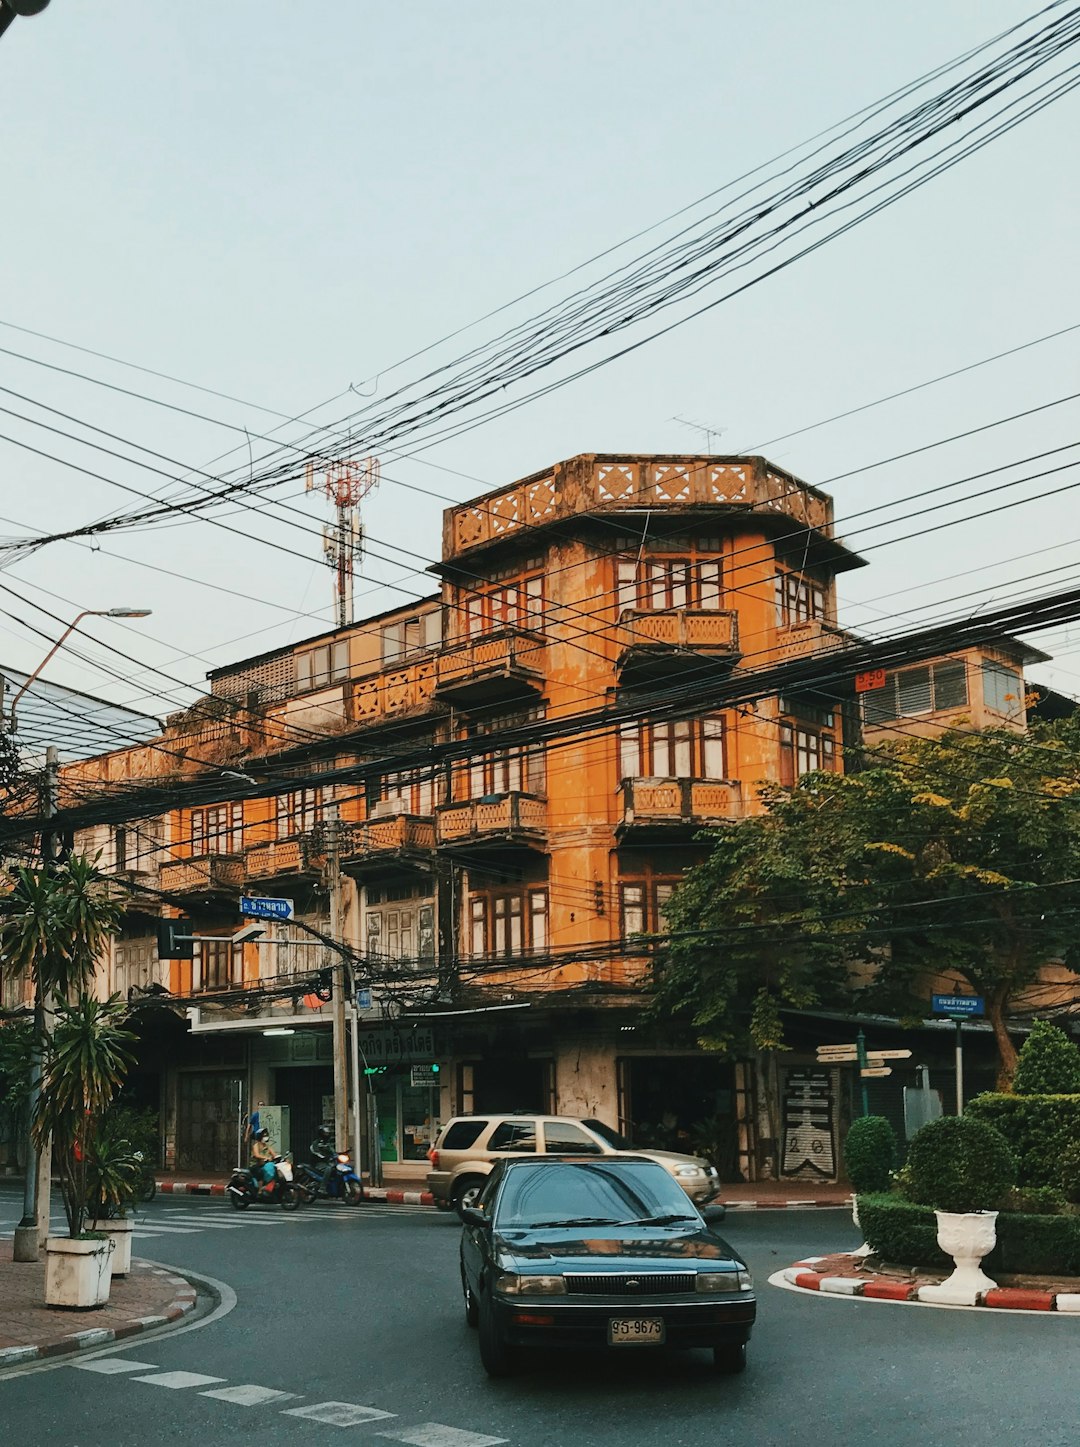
386 808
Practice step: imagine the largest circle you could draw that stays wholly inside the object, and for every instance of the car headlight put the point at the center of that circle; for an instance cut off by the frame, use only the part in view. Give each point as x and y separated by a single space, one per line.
510 1283
688 1171
724 1281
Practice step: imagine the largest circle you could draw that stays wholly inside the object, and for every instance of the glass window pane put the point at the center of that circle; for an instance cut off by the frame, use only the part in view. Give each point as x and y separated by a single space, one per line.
683 767
1002 689
950 684
709 583
913 691
712 752
562 1138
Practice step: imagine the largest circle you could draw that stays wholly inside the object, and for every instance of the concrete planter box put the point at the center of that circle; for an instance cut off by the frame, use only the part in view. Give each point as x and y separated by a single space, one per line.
77 1273
118 1229
967 1237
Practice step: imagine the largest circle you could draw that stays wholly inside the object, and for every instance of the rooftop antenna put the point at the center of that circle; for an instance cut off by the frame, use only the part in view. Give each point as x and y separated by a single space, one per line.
344 482
710 432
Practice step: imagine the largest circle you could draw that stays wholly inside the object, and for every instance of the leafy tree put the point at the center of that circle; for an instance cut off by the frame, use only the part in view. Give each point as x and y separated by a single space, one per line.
1049 1063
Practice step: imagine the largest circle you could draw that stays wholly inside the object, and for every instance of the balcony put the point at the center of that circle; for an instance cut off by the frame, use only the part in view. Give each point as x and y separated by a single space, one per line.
492 823
500 667
204 875
673 808
397 843
672 643
282 859
800 640
395 693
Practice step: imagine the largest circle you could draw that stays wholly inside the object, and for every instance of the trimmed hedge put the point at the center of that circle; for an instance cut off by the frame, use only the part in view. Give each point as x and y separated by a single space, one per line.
1041 1129
1049 1063
906 1234
870 1153
959 1164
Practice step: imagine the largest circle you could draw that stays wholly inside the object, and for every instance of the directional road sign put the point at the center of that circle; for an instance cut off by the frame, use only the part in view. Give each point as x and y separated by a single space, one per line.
959 1005
256 907
837 1052
876 1055
876 1070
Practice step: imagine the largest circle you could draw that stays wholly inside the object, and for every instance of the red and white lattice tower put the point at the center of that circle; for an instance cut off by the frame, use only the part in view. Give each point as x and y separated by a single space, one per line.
344 483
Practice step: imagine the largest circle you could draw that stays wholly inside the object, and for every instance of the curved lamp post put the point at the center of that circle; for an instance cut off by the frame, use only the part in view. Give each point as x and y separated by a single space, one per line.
86 613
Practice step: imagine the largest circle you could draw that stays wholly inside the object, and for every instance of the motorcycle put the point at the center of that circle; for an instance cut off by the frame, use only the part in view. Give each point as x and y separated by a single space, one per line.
145 1183
337 1182
243 1188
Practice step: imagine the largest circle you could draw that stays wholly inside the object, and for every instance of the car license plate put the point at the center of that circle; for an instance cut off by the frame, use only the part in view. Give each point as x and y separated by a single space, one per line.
635 1331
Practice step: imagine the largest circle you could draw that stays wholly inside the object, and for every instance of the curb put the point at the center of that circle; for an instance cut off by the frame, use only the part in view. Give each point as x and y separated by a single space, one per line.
371 1193
887 1288
181 1305
787 1205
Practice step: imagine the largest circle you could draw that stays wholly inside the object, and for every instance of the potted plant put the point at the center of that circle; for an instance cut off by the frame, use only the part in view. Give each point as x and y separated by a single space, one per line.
869 1156
112 1181
86 1060
962 1168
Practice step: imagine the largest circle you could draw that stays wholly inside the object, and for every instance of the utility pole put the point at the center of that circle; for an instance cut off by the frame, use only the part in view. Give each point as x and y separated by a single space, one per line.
33 1228
342 980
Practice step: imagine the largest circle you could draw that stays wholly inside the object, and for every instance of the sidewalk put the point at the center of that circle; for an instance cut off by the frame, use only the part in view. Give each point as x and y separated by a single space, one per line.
407 1192
29 1330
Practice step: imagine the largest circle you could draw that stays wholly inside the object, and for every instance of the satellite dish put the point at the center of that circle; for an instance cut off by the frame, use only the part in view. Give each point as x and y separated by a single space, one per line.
26 7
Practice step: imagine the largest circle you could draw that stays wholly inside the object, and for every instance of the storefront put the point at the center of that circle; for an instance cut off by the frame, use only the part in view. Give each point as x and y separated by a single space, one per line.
403 1080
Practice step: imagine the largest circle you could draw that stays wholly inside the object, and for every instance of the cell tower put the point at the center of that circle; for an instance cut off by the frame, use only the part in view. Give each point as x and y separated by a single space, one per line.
344 483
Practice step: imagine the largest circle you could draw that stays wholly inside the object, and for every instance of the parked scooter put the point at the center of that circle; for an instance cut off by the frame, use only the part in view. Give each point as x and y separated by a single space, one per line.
243 1188
338 1182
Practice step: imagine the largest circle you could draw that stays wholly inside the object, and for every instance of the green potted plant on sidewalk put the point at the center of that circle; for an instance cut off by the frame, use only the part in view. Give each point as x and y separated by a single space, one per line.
112 1182
87 1057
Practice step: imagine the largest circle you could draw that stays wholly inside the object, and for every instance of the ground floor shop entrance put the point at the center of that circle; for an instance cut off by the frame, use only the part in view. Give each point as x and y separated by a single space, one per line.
209 1121
406 1112
308 1092
681 1103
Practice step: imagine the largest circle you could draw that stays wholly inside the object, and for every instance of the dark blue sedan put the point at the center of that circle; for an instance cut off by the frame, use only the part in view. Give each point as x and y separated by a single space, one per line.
607 1253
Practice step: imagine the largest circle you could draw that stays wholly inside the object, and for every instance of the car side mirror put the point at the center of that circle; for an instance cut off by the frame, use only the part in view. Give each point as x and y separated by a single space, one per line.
473 1216
713 1215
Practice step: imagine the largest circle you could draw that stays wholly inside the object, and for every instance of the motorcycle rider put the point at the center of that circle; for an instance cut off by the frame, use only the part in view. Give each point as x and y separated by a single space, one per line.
262 1161
322 1152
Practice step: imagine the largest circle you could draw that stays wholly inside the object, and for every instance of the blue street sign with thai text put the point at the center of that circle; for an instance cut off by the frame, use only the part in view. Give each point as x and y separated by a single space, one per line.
255 907
959 1005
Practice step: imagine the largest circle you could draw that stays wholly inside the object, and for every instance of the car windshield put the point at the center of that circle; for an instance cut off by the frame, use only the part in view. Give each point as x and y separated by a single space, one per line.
612 1137
590 1193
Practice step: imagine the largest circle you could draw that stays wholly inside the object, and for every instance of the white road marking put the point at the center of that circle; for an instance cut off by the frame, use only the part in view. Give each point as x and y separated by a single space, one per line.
434 1434
153 1223
178 1380
174 1230
112 1366
338 1414
249 1395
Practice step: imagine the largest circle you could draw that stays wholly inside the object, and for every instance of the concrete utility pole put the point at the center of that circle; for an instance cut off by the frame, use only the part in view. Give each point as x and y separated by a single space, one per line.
32 1230
342 980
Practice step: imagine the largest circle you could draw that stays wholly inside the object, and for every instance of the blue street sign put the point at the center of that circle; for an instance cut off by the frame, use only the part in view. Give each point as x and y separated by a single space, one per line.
363 998
264 908
959 1005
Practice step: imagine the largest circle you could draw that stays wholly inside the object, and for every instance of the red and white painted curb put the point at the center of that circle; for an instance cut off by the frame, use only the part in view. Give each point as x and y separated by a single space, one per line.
888 1288
806 1205
371 1193
182 1303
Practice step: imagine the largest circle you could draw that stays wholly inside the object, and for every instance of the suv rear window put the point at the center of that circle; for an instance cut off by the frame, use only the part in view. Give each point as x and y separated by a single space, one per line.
461 1134
513 1135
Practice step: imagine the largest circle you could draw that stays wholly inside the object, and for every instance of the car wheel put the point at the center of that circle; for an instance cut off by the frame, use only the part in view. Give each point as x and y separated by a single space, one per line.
466 1191
497 1357
472 1310
730 1360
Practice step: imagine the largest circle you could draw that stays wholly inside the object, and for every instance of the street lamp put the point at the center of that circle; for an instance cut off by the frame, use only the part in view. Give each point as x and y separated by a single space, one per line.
9 9
36 1184
86 613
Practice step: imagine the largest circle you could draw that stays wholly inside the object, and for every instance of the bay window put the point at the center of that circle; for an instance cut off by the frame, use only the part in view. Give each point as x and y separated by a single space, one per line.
218 829
797 599
653 584
507 923
803 750
681 749
298 812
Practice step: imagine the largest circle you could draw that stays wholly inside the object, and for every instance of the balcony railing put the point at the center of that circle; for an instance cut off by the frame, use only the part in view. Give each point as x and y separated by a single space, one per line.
801 639
671 803
501 665
673 640
281 858
379 845
203 874
407 689
502 819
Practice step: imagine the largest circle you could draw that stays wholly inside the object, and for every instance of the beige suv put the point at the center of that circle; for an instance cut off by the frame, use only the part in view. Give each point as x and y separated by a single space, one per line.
468 1147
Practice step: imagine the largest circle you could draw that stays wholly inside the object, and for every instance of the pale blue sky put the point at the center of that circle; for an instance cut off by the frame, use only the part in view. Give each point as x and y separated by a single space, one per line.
278 200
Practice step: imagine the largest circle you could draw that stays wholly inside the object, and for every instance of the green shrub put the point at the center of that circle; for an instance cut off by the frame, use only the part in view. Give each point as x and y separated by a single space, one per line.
1041 1129
1069 1173
1035 1201
1049 1063
870 1153
900 1231
960 1164
906 1234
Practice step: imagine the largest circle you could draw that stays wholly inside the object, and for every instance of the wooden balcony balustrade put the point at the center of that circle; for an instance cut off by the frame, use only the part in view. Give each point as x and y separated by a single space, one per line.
502 665
203 874
282 858
504 819
406 689
673 805
673 642
381 846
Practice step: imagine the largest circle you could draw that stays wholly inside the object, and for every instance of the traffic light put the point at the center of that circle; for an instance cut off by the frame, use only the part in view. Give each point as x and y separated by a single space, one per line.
169 947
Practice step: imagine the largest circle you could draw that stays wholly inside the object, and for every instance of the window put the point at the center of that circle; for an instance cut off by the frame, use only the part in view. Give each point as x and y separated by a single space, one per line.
410 635
517 603
404 793
121 847
687 749
798 599
401 930
505 924
648 583
217 830
803 750
504 771
298 812
513 1135
561 1138
461 1134
909 692
1003 689
317 667
632 901
642 906
219 964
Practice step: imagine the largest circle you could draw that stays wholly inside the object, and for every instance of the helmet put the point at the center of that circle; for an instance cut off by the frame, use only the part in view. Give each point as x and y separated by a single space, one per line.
262 1135
323 1133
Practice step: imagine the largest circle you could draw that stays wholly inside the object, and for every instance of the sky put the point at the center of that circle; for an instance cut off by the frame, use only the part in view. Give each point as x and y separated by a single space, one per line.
279 202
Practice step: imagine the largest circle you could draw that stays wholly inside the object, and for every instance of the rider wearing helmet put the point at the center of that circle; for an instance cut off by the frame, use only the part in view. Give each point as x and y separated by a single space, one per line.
262 1159
322 1150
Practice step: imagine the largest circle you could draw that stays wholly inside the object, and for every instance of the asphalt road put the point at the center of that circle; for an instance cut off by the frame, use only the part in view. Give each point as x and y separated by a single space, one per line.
362 1308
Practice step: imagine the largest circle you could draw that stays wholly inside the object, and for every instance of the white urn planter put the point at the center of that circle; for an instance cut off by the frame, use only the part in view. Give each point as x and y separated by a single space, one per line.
864 1249
118 1229
967 1237
77 1273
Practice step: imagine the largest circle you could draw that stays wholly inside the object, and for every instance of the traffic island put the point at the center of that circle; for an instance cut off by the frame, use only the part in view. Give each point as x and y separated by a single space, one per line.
148 1297
850 1275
